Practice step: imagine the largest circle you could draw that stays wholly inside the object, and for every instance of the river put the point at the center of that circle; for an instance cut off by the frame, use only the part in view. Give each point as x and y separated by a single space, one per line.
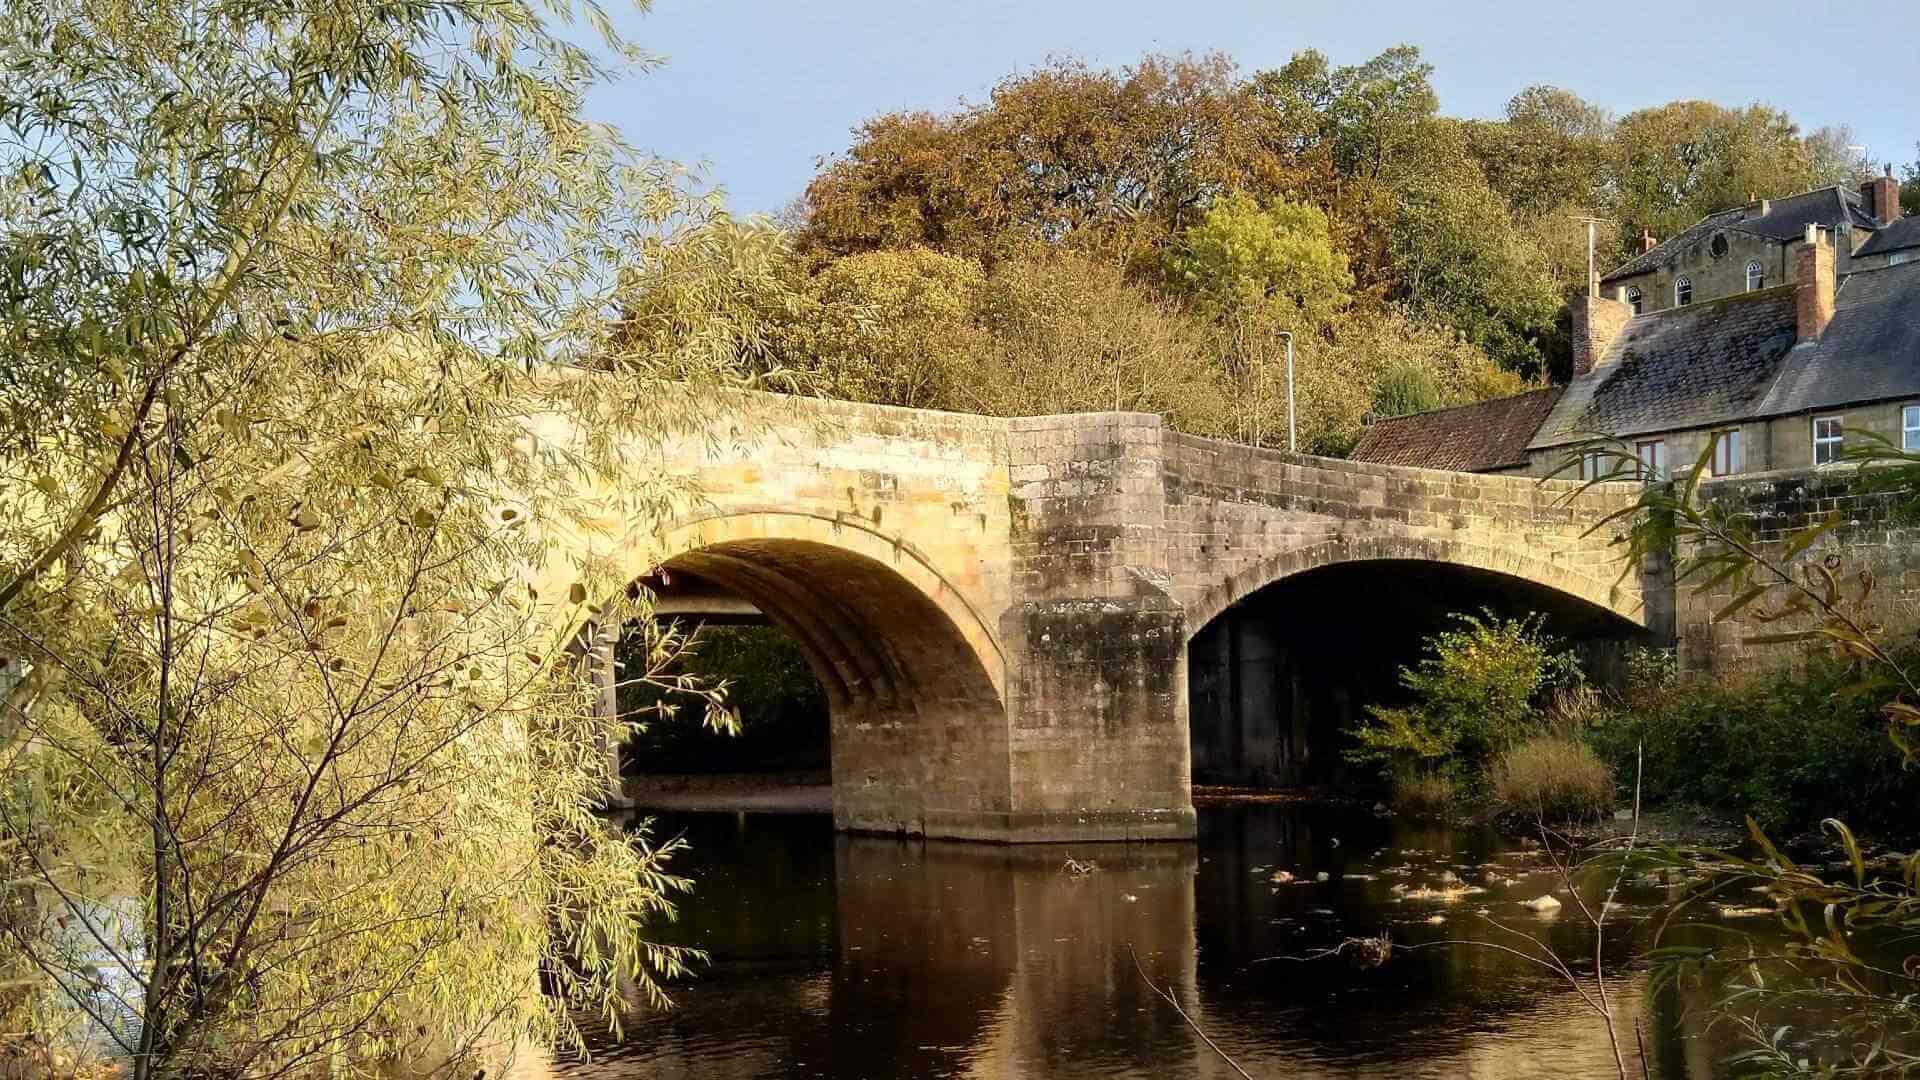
871 957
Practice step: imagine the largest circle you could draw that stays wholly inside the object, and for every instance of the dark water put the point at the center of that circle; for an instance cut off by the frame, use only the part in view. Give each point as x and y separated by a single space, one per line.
836 956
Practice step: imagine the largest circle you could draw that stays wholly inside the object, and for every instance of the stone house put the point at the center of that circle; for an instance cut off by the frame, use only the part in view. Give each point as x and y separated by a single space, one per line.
1788 328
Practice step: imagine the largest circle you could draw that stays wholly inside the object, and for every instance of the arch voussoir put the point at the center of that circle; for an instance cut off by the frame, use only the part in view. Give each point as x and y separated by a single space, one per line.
1511 561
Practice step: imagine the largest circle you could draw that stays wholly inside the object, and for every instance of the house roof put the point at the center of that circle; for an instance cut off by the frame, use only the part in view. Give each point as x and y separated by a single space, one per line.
1904 233
1687 367
1869 352
1467 438
1785 219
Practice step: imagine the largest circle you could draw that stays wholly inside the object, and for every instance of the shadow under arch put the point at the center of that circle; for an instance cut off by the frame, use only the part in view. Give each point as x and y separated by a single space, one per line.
1601 592
1281 672
913 677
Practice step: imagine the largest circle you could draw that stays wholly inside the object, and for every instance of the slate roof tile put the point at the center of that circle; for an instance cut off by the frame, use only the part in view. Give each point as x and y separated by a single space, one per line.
1785 219
1904 233
1870 351
1689 367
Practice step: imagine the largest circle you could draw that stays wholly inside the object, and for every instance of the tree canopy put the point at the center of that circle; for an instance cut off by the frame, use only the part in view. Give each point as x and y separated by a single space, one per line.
300 779
1474 226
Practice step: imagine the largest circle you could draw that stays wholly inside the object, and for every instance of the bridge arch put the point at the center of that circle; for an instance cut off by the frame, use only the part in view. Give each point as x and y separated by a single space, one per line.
1606 594
914 677
1285 656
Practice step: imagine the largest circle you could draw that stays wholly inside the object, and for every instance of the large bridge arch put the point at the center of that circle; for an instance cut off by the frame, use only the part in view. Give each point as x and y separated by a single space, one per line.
1507 562
1285 657
914 678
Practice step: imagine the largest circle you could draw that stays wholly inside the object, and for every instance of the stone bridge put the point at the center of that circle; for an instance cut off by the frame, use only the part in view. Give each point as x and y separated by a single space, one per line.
1000 610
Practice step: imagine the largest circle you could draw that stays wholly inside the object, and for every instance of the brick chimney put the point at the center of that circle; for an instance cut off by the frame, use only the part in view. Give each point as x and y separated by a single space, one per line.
1597 320
1881 195
1813 275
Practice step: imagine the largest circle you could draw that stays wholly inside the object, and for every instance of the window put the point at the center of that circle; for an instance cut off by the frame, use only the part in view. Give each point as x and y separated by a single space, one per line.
1596 465
1653 459
1634 298
1727 456
1683 292
1826 440
1756 275
1910 428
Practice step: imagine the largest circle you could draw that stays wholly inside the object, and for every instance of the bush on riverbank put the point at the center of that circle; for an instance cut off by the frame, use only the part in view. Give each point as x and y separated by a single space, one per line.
1476 692
1788 748
1553 778
1428 796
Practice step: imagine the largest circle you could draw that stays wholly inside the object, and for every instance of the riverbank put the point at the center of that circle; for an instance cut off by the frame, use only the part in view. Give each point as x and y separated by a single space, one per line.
800 792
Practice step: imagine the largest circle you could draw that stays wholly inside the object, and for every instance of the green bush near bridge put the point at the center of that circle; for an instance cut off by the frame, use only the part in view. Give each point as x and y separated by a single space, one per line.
1789 748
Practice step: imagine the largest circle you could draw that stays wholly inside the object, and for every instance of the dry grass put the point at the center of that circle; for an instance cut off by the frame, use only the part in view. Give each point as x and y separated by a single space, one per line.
1423 795
1553 778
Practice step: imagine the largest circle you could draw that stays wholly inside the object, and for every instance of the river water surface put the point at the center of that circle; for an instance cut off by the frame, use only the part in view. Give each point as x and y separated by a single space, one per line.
864 957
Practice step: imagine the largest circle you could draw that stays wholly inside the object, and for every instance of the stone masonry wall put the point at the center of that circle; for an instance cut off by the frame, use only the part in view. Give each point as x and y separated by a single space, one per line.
1097 692
1239 518
1871 538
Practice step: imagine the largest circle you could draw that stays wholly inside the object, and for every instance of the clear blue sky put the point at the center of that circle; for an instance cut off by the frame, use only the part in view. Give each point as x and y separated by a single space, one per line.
755 91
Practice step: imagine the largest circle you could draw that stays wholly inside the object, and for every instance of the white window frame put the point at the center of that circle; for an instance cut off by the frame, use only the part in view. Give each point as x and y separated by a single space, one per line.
1635 298
1837 440
1910 427
1652 454
1679 283
1756 275
1729 456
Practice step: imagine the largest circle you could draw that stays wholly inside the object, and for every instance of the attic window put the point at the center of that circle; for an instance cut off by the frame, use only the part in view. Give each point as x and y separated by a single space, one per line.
1718 245
1683 292
1635 299
1756 275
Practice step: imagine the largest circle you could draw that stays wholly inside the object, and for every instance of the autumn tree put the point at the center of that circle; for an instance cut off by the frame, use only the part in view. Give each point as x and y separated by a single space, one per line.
300 779
1098 160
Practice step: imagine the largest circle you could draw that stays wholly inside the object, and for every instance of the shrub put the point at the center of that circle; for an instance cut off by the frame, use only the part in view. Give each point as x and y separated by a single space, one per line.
1475 694
1553 778
1423 794
1787 748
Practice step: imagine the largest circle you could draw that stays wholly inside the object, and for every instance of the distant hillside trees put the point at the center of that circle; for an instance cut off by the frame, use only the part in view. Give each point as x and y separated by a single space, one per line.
1144 238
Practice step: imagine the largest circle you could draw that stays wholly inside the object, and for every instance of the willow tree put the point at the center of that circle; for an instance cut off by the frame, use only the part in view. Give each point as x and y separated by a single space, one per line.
296 773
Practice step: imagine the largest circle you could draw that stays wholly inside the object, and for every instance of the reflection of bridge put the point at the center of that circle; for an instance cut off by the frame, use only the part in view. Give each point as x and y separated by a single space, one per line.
1000 610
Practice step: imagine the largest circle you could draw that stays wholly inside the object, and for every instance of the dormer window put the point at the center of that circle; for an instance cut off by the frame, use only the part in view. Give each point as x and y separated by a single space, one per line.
1756 275
1683 292
1635 299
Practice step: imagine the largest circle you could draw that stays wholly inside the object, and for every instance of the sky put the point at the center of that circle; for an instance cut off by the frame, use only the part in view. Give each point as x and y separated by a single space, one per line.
754 92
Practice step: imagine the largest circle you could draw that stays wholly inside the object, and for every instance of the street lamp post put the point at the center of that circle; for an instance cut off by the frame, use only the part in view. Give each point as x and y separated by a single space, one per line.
1260 392
1293 438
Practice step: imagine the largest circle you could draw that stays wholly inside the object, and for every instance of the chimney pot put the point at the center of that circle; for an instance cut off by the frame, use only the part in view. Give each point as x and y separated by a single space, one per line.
1647 242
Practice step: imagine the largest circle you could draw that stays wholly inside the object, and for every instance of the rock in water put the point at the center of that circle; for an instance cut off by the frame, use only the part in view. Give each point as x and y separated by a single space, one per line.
1542 903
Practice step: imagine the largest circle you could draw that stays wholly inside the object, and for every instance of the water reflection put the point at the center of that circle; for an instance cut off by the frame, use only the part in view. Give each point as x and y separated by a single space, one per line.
838 956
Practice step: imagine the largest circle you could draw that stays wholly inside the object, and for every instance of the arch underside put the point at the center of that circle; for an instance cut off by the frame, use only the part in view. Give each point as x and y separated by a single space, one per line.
1281 674
918 728
1604 593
